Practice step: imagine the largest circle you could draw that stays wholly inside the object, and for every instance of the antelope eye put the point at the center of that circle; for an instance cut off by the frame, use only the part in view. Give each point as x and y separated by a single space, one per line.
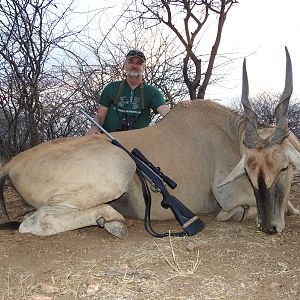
284 169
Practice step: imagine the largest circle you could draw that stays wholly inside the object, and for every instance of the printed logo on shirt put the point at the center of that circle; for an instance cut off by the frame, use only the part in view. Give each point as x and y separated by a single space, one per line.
129 105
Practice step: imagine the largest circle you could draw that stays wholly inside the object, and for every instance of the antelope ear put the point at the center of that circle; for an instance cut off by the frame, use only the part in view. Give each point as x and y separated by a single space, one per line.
293 155
237 172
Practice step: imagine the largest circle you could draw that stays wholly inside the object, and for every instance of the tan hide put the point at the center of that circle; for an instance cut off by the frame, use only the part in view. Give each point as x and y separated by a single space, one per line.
197 147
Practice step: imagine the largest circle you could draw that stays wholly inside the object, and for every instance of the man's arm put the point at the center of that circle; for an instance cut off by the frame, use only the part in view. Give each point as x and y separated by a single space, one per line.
101 114
99 118
163 109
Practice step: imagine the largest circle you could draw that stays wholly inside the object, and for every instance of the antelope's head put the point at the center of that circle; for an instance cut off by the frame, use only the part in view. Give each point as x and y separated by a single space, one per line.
268 158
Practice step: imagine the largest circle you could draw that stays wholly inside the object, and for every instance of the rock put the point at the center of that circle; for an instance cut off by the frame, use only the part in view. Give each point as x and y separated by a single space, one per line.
274 285
92 289
49 288
39 297
190 247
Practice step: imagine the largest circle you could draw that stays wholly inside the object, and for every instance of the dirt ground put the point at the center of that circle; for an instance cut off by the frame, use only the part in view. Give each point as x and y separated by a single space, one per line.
225 261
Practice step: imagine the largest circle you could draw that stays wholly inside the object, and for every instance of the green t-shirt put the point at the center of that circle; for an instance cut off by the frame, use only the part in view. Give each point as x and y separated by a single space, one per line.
129 105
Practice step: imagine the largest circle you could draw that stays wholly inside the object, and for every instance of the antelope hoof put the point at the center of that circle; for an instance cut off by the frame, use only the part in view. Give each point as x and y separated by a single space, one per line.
116 228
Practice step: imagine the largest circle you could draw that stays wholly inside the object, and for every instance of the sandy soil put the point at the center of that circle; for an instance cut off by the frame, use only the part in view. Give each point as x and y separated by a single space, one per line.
225 261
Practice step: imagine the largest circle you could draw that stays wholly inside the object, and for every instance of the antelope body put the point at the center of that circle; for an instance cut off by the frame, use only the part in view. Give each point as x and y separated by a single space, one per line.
221 161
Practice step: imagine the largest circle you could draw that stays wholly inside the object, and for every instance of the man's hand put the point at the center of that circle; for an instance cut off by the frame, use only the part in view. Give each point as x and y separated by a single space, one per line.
93 130
99 118
186 103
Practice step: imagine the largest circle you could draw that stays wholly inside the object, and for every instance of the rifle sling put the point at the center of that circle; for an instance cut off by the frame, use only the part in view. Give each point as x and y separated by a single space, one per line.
147 219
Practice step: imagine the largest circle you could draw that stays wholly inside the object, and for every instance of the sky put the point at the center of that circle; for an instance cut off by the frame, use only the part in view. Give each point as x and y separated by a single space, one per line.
258 30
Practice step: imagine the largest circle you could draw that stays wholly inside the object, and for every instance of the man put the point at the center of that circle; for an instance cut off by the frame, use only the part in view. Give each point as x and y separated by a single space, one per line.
127 104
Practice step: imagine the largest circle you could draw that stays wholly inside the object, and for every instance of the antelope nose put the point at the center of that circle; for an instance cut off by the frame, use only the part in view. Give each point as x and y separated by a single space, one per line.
270 230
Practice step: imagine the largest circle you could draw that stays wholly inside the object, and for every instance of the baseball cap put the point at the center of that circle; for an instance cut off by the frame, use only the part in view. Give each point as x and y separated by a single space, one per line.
136 53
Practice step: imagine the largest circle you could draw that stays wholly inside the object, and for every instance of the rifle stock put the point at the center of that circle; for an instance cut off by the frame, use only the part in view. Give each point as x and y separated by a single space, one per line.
190 223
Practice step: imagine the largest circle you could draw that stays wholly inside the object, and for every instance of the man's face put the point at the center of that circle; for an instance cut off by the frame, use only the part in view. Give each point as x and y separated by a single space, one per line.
134 67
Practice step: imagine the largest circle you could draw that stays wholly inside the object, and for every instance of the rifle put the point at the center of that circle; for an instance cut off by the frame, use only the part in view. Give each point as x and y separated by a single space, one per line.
190 223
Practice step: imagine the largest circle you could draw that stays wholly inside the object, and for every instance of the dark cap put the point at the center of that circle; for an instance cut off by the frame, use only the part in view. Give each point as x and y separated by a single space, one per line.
136 53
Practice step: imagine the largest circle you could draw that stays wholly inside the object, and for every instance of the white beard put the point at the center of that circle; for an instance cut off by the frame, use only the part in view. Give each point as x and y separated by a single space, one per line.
135 74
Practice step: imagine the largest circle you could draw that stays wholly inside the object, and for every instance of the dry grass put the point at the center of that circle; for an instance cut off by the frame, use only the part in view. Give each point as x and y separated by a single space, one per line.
178 266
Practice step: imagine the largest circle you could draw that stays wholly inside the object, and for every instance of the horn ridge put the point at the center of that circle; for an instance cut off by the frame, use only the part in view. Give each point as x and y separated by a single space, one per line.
281 110
251 135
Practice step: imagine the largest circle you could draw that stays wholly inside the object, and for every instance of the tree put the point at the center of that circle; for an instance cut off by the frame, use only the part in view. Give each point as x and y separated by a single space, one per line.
187 19
264 105
29 31
47 68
